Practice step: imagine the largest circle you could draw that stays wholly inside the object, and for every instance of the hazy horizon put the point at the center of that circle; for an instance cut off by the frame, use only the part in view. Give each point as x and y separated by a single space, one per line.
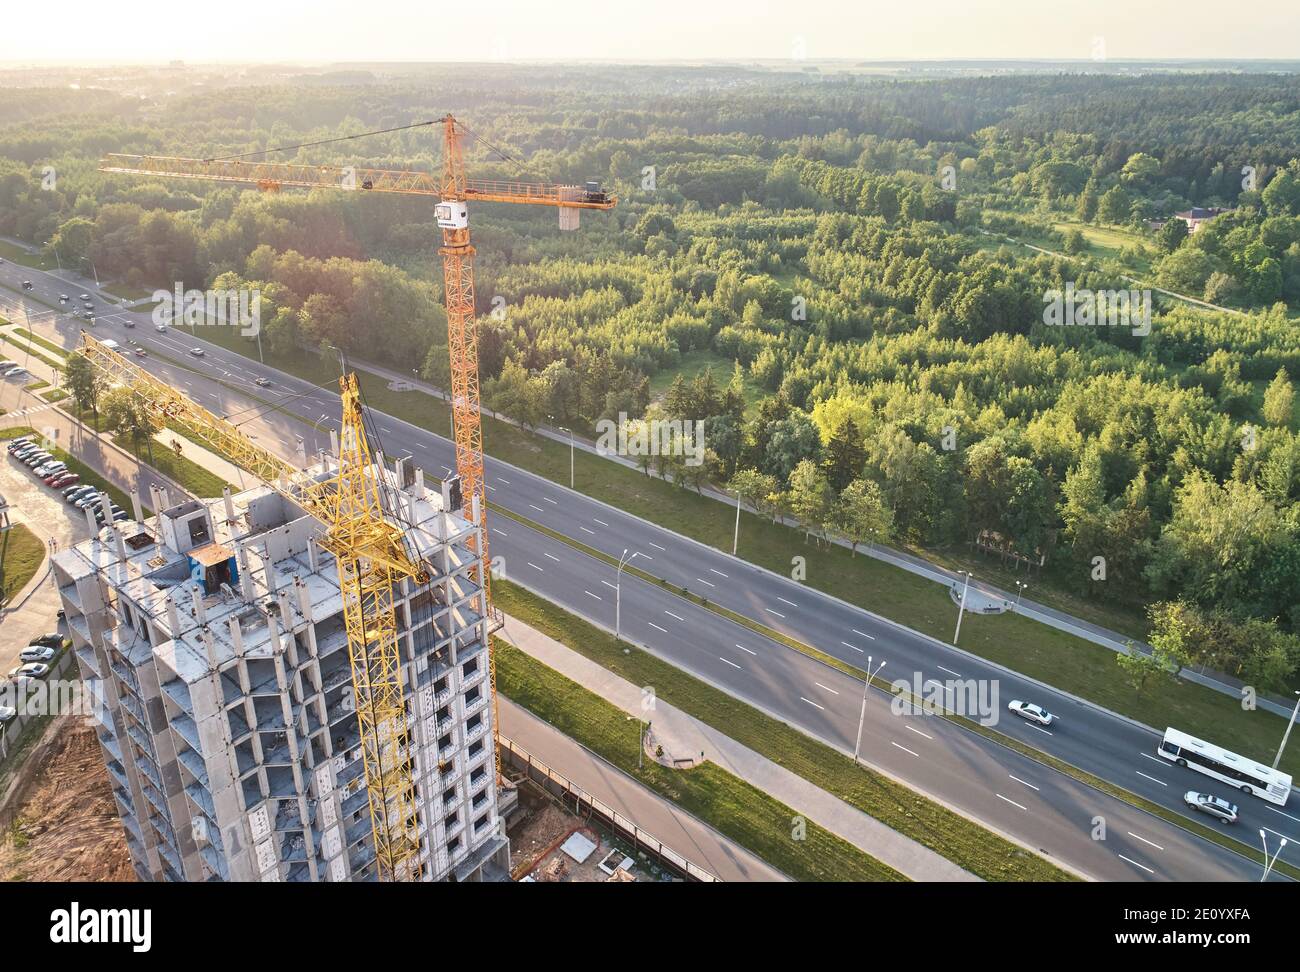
243 31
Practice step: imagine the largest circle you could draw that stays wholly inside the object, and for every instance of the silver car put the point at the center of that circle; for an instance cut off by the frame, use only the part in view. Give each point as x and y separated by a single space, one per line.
1216 807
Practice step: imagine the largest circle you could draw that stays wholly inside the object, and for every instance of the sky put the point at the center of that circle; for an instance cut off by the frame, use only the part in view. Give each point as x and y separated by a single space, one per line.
243 31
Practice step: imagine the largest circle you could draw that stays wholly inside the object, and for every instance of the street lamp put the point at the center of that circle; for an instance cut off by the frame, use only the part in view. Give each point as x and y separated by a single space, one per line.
962 609
1020 589
570 431
1268 865
735 539
623 561
862 716
55 249
1278 758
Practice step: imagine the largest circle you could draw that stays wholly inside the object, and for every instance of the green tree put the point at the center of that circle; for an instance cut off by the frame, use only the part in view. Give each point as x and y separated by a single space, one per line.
1279 400
1115 206
845 455
754 488
84 383
810 498
861 515
126 414
1171 235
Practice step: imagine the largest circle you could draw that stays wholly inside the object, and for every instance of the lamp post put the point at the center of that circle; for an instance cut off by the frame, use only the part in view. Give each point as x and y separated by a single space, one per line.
1020 589
1278 758
962 608
57 261
735 538
570 431
1268 865
623 561
862 715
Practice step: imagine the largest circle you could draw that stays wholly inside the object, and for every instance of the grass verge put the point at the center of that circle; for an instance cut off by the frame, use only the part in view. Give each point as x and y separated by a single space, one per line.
742 812
949 834
21 554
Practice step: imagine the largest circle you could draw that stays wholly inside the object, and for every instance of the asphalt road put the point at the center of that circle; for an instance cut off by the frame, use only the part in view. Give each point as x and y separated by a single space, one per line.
1009 793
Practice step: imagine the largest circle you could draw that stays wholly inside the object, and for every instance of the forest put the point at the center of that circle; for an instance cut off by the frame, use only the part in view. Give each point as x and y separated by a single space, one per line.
828 271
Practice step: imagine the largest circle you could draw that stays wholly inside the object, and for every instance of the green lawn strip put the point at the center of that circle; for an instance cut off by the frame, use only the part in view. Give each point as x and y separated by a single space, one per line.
54 395
947 833
747 815
1032 648
37 339
16 254
181 470
21 554
35 352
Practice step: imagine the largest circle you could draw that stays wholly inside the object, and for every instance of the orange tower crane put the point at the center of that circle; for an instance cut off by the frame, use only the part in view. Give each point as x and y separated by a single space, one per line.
454 191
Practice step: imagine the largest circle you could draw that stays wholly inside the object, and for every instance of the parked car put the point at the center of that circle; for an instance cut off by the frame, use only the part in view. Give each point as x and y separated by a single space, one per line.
5 366
30 449
30 670
1216 807
64 480
37 654
89 499
1031 712
20 442
34 459
52 466
76 492
51 640
7 714
17 373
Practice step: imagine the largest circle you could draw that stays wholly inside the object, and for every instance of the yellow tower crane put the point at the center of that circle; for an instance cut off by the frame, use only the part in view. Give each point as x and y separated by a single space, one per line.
372 556
454 191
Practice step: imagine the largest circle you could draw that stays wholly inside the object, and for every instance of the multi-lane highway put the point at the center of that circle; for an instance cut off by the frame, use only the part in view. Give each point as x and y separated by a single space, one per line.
1039 807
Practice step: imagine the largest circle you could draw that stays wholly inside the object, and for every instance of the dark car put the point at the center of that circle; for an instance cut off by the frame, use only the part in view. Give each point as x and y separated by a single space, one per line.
51 640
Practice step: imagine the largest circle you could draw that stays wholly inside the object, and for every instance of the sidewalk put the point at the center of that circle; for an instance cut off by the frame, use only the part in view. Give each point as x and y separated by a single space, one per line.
682 733
692 838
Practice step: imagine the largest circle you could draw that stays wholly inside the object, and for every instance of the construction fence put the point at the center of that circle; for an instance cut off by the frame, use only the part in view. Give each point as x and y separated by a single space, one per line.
557 785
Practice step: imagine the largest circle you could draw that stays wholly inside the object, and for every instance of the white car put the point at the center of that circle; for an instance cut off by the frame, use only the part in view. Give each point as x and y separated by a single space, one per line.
1031 712
37 653
30 670
7 714
63 298
85 296
1216 807
160 328
19 372
197 352
47 468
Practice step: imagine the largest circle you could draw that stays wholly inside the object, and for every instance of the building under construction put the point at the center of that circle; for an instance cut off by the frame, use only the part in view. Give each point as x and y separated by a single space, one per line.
212 635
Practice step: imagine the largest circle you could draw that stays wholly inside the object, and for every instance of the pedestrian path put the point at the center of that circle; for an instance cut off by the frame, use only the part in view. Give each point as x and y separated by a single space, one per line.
679 732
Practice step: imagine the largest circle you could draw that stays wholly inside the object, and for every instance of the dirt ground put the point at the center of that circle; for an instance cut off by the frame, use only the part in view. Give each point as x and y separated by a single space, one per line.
535 838
67 829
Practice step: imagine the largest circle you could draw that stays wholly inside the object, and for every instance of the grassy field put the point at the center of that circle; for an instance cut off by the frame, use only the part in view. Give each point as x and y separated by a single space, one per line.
16 254
692 363
167 461
727 803
1037 650
960 840
21 555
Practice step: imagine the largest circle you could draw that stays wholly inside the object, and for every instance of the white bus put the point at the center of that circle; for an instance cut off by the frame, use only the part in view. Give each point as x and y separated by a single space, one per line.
1237 771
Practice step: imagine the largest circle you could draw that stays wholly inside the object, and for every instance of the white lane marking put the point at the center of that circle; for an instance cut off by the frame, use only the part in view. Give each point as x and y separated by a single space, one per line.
677 616
552 556
903 748
502 533
1135 863
551 501
1152 778
948 670
826 687
1144 840
504 480
612 587
1162 762
642 556
777 613
585 530
535 567
864 634
784 601
731 663
589 594
1012 802
1287 815
601 522
656 627
1271 831
812 703
655 545
1019 780
750 650
718 572
847 645
703 581
917 731
537 508
491 489
381 428
1039 728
